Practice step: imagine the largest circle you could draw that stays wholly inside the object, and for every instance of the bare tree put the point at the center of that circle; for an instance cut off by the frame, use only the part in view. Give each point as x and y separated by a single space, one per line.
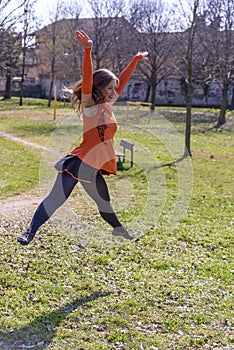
70 57
192 50
54 47
27 20
50 43
221 14
9 57
107 31
10 41
9 13
152 19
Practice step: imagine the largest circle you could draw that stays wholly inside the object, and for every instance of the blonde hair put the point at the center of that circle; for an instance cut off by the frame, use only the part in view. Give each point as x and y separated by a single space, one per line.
101 78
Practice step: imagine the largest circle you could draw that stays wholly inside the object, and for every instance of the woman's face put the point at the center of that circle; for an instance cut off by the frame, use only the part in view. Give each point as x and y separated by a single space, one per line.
110 91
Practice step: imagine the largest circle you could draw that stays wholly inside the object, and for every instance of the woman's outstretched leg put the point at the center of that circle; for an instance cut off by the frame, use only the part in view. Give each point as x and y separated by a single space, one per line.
61 190
99 193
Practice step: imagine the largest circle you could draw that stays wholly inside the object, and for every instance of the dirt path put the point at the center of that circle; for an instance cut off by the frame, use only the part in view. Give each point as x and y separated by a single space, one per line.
19 140
18 205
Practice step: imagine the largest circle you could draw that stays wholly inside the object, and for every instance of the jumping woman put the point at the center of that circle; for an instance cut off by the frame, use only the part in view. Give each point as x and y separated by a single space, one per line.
92 98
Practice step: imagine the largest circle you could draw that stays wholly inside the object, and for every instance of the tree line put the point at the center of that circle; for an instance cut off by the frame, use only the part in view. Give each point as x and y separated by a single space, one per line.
190 39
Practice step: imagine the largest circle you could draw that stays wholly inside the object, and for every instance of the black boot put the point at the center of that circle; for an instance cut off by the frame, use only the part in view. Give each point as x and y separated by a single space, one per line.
26 238
121 231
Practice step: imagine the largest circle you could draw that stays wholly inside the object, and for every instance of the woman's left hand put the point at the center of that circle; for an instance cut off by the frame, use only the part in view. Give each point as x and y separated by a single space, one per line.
143 55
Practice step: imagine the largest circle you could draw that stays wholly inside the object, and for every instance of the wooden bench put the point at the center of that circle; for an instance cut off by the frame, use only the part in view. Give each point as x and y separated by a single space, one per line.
122 155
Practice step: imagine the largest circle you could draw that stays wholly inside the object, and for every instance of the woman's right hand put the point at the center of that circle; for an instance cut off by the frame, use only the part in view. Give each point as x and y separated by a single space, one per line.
142 55
84 39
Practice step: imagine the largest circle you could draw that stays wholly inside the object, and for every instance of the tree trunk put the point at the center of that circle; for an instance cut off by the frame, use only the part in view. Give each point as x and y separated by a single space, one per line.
21 89
187 150
232 100
50 92
189 97
52 68
153 96
147 93
223 107
24 58
7 93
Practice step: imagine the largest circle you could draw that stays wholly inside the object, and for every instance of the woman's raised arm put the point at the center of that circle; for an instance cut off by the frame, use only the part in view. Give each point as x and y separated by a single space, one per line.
87 67
128 71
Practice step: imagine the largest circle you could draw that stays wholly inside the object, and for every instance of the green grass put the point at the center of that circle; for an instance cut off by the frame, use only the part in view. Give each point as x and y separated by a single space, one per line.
170 289
15 161
29 103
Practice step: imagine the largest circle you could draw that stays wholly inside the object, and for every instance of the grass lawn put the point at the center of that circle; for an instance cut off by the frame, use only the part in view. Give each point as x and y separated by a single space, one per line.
15 161
75 288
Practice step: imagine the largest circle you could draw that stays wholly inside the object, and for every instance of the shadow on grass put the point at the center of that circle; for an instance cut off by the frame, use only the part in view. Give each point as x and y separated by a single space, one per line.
39 333
121 167
174 162
197 117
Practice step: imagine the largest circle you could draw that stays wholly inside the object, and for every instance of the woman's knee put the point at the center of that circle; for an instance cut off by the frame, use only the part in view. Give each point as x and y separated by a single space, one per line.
101 199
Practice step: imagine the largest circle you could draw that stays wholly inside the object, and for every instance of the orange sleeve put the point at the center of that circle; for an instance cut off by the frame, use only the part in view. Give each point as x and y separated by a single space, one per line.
87 72
127 73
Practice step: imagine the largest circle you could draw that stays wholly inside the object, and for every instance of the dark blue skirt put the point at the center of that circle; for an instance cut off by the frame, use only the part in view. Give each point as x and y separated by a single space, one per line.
76 168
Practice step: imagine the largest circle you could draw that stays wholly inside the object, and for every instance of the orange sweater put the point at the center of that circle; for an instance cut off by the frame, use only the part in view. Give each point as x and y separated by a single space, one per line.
99 123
